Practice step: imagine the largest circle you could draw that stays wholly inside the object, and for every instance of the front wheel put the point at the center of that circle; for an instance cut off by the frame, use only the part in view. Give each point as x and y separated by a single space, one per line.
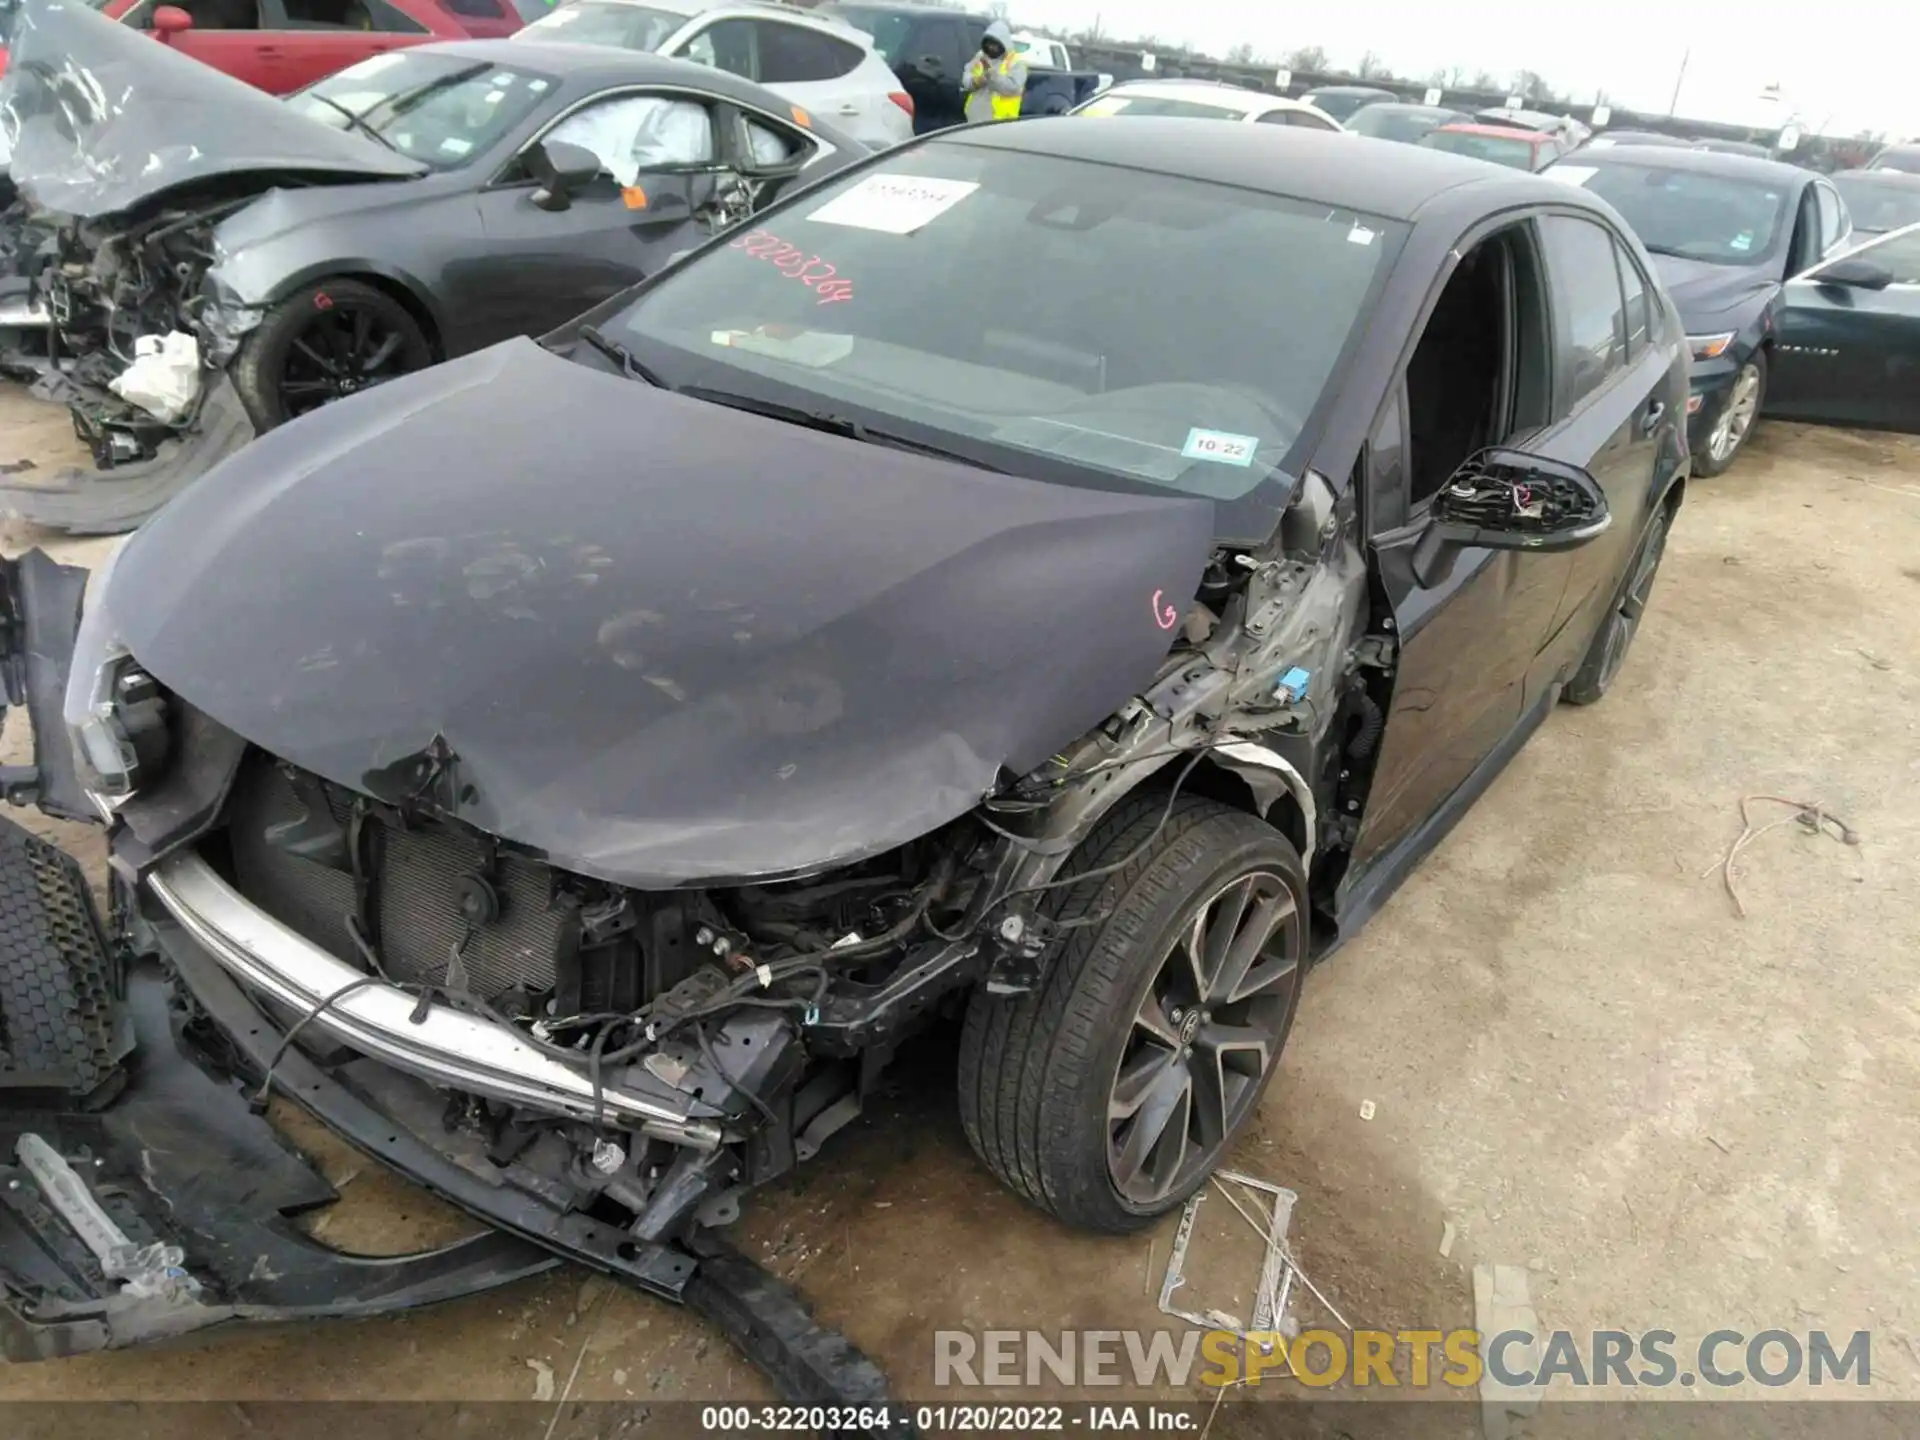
323 344
1737 417
1107 1096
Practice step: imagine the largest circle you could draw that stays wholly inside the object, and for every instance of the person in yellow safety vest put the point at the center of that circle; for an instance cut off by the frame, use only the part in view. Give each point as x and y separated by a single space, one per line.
995 80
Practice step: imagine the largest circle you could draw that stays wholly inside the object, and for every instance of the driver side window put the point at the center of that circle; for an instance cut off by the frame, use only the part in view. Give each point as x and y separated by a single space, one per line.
207 14
1480 374
635 134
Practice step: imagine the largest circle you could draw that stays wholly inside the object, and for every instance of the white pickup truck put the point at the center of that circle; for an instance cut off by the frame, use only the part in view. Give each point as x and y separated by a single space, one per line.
1043 53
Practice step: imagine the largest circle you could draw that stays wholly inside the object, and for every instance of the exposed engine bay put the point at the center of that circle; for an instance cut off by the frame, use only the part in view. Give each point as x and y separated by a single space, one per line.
714 1036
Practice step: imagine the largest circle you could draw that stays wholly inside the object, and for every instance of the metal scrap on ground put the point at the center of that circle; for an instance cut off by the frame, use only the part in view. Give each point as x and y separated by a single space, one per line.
1817 819
1278 1267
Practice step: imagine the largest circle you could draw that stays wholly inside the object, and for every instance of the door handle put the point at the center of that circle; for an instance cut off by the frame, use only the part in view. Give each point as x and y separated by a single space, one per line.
849 109
1650 421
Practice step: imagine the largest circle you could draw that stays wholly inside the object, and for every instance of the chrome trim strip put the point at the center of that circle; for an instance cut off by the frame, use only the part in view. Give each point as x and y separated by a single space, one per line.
448 1047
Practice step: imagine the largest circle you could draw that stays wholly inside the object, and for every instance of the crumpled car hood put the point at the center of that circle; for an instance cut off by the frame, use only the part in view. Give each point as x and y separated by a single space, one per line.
664 642
104 117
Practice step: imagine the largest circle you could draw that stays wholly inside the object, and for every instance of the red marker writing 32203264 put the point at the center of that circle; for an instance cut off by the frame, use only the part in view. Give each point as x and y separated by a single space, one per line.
796 264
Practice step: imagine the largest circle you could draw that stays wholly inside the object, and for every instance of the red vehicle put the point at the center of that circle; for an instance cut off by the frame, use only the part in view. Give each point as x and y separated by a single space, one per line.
283 45
1502 144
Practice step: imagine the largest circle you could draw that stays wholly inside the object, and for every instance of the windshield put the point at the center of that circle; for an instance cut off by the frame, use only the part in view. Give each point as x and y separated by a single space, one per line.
596 22
1876 206
1107 323
1159 105
1391 122
890 29
1512 150
1715 218
443 110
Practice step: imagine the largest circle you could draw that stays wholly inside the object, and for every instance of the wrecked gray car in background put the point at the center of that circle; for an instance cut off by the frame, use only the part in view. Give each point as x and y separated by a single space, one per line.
194 261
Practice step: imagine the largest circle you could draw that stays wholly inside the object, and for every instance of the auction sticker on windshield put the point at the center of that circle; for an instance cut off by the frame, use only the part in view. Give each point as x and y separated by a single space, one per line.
895 204
1219 446
1571 174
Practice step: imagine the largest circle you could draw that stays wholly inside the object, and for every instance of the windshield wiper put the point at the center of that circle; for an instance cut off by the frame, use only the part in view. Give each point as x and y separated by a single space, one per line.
623 357
408 100
354 120
842 425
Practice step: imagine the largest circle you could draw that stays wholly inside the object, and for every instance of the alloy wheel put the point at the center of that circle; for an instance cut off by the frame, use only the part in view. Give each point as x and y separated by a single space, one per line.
340 351
1624 621
1204 1037
1736 416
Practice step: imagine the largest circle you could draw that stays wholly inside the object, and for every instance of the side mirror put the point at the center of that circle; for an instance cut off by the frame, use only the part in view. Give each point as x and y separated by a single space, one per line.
1509 500
1857 272
561 169
170 20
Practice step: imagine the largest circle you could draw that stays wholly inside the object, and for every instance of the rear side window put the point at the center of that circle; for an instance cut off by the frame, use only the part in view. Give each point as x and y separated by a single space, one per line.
1294 117
1833 217
790 54
1633 286
1588 321
475 9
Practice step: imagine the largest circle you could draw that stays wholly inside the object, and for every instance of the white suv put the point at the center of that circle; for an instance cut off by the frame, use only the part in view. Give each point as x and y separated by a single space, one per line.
816 63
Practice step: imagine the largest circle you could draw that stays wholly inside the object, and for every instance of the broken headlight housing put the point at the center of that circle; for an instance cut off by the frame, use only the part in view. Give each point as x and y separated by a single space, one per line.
121 739
116 712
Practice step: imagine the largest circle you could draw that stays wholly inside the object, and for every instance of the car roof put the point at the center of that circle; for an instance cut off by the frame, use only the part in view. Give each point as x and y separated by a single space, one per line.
1324 167
1407 107
887 7
1350 90
1706 162
1499 132
1892 179
1230 97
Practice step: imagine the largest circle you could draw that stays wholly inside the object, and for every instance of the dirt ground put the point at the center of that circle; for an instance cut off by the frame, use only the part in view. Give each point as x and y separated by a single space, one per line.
1578 1054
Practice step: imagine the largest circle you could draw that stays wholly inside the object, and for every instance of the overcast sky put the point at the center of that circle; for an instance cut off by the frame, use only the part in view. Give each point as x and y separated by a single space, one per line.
1851 60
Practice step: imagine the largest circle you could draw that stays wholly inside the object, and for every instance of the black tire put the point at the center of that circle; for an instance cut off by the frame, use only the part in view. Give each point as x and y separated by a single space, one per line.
322 344
1622 621
1707 462
1040 1074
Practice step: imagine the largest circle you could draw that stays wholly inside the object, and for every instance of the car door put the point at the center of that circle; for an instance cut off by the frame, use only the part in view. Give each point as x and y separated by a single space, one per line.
235 37
1468 638
311 39
1850 354
664 159
1614 415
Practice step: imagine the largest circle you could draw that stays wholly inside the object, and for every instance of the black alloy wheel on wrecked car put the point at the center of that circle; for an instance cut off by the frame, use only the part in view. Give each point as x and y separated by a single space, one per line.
329 341
1610 643
1108 1095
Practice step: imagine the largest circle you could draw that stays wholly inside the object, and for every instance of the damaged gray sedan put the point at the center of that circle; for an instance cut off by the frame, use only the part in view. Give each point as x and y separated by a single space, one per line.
194 261
575 772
